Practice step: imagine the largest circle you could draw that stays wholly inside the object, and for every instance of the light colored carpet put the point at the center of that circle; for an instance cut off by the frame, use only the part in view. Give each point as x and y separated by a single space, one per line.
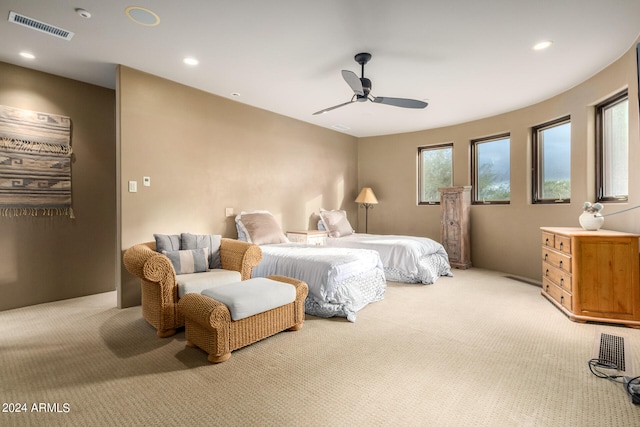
477 349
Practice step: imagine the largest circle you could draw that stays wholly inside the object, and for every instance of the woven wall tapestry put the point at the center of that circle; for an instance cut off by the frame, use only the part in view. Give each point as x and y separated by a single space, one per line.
35 163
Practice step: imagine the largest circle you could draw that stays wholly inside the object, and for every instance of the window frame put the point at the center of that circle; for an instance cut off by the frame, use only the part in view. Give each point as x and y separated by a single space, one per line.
474 169
536 184
599 117
420 171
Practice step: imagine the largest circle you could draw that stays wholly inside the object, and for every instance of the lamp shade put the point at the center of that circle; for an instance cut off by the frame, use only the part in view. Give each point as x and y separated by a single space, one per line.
366 196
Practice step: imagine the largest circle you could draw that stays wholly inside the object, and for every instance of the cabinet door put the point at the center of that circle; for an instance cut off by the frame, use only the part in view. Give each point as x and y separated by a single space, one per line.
607 278
451 225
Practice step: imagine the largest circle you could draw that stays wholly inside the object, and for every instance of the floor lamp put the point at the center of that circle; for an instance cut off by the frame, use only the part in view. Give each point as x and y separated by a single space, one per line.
367 199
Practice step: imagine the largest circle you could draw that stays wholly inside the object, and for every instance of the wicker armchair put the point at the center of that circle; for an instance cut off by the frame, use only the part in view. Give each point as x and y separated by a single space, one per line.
159 285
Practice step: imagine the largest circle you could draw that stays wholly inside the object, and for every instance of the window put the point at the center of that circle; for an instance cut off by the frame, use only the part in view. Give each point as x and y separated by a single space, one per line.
491 169
612 149
552 162
435 170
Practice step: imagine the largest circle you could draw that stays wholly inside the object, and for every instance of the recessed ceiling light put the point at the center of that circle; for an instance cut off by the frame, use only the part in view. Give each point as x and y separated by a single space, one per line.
542 45
189 60
27 55
235 94
340 127
142 16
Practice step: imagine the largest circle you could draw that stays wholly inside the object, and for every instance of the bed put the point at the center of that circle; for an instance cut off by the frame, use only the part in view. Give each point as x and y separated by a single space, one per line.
405 259
341 281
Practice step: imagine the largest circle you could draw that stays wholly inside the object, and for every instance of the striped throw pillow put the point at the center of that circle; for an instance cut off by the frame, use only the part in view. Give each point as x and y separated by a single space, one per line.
189 261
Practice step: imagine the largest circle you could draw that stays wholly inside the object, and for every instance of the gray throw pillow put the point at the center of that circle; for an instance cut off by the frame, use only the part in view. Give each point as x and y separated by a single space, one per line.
189 261
198 241
166 242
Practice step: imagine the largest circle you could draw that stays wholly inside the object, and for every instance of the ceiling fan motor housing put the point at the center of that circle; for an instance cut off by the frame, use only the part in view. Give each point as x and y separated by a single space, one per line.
366 88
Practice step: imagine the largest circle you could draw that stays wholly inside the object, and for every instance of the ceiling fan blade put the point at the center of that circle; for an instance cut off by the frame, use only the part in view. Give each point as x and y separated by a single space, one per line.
354 81
400 102
326 110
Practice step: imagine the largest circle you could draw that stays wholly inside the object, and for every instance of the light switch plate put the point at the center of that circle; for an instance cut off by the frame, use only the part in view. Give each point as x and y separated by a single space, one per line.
228 211
133 186
146 181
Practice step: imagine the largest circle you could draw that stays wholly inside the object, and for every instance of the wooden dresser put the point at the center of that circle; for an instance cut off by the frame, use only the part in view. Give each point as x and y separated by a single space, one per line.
592 275
455 205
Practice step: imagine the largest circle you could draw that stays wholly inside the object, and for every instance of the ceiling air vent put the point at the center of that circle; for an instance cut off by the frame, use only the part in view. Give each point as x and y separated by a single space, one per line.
34 24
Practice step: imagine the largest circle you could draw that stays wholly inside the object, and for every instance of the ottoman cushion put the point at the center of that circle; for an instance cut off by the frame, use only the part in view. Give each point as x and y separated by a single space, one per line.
252 296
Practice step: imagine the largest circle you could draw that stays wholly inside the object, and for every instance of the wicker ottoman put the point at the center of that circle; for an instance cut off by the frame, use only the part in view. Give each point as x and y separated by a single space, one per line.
210 324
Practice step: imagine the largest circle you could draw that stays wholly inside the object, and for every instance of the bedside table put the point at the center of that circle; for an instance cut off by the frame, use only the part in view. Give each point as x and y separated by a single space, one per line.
309 237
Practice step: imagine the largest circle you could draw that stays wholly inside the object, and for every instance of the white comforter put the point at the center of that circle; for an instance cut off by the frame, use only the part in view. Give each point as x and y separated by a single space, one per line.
341 281
405 258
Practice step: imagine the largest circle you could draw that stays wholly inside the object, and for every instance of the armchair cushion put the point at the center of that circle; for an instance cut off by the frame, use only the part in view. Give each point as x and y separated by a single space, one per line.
197 282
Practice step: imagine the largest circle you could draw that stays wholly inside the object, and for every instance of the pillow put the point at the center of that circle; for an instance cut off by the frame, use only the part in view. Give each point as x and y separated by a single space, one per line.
189 261
242 231
165 242
336 223
199 241
260 228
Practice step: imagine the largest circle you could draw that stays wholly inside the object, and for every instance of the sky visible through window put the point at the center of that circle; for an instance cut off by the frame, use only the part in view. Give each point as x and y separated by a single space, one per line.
494 170
557 153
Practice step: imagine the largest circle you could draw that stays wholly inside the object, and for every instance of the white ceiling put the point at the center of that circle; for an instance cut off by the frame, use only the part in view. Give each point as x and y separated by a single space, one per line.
468 58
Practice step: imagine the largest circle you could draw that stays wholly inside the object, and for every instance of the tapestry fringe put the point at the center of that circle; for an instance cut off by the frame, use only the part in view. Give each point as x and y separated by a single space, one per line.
14 212
38 147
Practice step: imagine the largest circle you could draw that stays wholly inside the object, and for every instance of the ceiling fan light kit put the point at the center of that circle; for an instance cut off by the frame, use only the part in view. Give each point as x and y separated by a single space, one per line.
361 87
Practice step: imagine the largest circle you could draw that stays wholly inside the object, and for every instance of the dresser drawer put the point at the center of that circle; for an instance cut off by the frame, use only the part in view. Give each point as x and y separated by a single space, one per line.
561 261
557 276
548 239
559 295
562 243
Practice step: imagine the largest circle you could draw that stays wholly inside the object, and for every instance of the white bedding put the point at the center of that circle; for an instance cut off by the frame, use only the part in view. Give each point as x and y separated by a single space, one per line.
341 281
406 259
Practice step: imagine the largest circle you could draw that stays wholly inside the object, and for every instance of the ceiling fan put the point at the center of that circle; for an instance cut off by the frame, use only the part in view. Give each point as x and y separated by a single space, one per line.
361 87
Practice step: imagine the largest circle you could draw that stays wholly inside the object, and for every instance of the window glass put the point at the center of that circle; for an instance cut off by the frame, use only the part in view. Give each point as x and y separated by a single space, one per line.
435 171
552 162
613 149
492 169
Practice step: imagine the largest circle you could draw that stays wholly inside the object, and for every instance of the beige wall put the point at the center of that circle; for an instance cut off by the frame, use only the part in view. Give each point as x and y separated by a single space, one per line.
45 259
205 153
505 238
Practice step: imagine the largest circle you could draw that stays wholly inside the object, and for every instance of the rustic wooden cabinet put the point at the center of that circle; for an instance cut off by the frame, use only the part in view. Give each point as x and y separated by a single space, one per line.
455 206
592 275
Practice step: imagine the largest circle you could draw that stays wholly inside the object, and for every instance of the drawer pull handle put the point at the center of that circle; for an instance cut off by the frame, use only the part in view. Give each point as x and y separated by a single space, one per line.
547 288
562 299
561 281
561 243
546 273
546 241
545 256
560 263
